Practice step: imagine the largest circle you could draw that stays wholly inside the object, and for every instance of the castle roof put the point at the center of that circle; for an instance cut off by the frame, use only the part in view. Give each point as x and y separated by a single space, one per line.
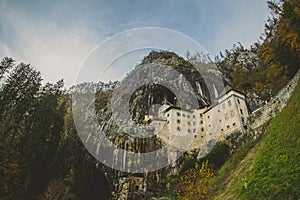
177 108
159 118
226 90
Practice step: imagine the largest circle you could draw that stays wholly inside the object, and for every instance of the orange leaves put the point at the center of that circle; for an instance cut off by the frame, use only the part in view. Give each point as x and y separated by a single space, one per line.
287 34
266 57
11 176
292 39
194 183
277 71
259 85
280 52
297 10
12 169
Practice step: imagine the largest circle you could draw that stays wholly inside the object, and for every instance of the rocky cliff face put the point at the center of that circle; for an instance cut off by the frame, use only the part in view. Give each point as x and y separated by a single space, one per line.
206 83
203 82
240 68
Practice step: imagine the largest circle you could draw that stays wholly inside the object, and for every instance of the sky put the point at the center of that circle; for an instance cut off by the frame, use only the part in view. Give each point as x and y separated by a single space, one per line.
57 37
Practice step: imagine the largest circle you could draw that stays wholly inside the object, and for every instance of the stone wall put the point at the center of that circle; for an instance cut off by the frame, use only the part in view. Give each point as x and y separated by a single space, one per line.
258 121
268 111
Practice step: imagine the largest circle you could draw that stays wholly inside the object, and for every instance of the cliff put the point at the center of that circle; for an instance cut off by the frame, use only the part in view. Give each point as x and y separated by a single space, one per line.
141 102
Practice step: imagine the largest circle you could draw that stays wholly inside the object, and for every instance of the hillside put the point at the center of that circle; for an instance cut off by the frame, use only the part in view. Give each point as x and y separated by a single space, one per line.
269 170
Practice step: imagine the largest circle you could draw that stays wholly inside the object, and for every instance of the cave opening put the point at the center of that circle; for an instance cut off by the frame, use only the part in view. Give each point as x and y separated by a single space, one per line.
148 98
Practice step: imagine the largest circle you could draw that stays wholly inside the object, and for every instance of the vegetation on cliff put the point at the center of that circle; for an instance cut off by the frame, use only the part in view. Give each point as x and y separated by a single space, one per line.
273 60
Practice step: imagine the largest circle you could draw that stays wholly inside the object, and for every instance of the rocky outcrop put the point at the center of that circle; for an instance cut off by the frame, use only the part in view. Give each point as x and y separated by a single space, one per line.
125 185
138 186
254 101
142 101
275 105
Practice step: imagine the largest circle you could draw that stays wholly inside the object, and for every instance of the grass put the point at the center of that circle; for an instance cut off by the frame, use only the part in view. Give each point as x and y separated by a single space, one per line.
269 169
238 163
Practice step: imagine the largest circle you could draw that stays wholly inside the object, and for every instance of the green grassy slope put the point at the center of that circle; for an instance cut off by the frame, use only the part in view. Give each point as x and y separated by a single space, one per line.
269 169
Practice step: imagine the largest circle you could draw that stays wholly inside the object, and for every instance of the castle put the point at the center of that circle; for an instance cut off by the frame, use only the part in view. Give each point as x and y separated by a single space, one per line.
183 127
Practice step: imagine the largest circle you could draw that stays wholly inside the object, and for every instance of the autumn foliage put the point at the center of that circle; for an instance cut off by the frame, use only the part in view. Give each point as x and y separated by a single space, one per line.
194 183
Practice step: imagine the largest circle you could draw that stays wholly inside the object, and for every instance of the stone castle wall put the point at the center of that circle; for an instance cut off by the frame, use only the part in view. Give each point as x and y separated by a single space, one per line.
258 120
268 111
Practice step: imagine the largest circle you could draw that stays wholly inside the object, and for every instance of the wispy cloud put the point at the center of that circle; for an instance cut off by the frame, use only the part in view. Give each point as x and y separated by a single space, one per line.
57 36
55 51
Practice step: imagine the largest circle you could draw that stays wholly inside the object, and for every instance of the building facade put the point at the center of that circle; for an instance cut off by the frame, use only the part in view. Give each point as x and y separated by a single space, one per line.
227 115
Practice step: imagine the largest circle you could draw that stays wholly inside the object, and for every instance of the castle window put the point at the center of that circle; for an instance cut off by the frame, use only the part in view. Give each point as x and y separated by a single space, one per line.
209 133
207 117
194 116
241 111
168 115
183 115
201 115
228 126
194 123
201 136
188 116
178 114
178 120
218 110
202 129
223 105
201 122
195 136
194 130
232 113
189 130
234 124
229 102
238 101
226 116
222 130
189 123
178 129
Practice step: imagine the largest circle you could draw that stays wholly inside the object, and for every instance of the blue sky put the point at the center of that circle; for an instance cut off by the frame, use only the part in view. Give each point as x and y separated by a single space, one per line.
56 36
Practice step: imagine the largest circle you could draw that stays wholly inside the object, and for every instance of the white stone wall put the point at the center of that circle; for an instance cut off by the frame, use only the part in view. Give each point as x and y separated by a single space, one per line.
268 111
200 125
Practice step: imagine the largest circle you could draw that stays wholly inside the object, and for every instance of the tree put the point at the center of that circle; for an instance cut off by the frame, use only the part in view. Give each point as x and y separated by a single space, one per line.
5 65
31 122
273 60
194 183
280 49
58 189
20 86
